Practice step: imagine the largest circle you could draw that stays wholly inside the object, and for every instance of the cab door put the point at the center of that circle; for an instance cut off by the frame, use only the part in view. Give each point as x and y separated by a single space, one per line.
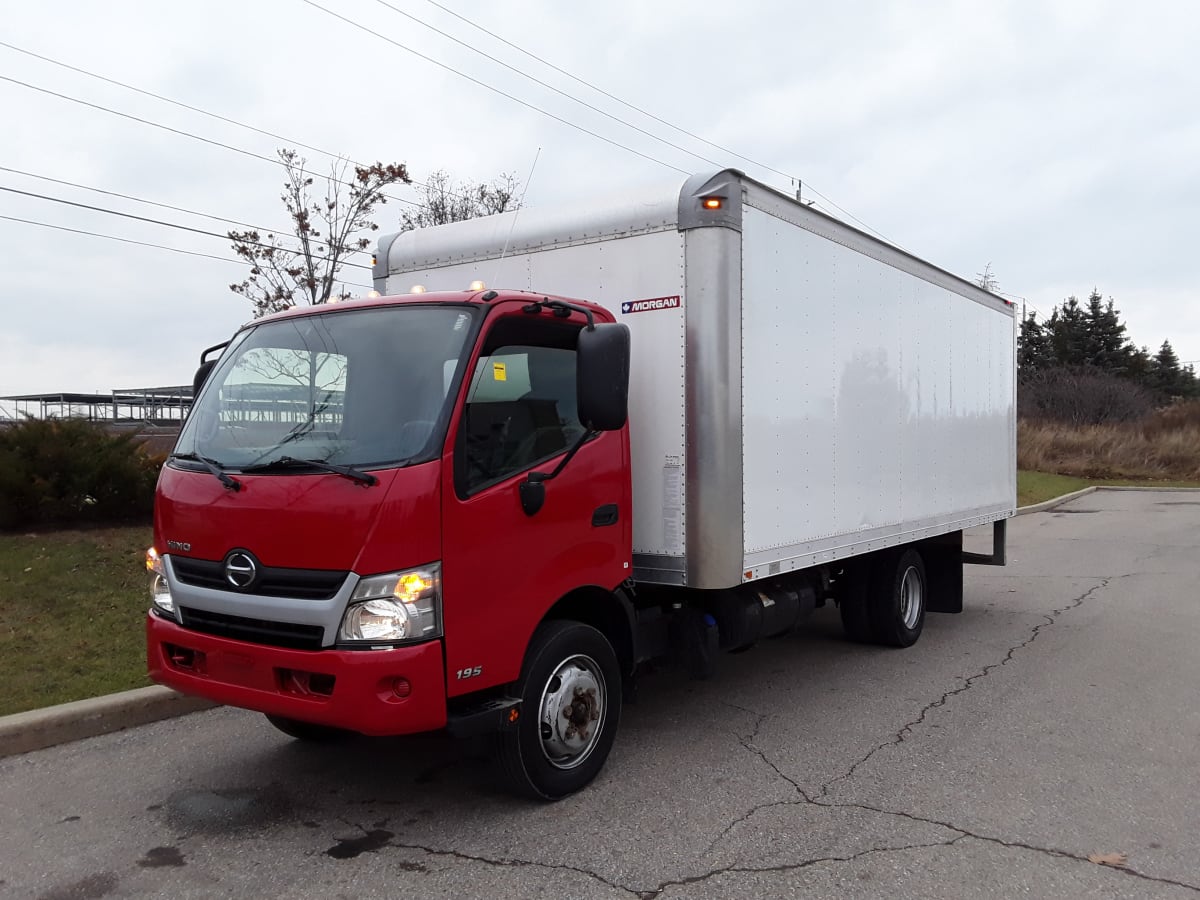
502 568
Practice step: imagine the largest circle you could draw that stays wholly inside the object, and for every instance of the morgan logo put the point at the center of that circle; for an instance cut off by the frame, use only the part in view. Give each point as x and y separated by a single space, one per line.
240 570
634 306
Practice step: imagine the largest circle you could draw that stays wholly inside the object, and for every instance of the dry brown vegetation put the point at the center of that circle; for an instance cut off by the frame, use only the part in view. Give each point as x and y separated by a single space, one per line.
1164 445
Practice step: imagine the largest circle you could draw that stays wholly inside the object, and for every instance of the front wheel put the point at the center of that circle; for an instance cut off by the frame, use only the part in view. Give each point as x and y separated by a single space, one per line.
570 692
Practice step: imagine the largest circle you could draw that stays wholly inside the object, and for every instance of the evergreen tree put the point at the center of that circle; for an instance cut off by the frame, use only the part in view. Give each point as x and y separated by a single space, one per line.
1068 330
1106 346
1166 373
1034 352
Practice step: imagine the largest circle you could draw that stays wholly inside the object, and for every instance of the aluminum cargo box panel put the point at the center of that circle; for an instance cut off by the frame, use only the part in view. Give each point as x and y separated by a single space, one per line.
875 403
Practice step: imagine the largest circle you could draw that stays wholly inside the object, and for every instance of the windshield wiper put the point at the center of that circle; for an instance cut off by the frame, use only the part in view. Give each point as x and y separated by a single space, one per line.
291 462
231 484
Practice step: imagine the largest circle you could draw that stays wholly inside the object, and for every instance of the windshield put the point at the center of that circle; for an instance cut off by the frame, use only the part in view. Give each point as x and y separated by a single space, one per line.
355 388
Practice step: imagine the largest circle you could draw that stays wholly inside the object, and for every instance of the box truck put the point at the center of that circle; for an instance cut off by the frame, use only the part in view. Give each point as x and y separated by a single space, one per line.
560 444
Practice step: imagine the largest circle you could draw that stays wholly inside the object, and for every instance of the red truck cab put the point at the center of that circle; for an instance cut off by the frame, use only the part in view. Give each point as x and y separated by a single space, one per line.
399 514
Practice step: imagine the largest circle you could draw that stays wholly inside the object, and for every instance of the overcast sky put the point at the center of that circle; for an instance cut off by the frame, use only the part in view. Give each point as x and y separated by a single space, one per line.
1058 142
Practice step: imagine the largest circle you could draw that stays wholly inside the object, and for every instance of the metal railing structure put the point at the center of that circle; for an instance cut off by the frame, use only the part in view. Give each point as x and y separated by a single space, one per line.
149 405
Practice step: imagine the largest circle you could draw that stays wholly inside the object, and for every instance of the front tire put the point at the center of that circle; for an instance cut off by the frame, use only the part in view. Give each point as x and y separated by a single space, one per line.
570 692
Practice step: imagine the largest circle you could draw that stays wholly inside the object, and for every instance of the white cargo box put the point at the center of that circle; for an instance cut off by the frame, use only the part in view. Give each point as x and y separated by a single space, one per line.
799 392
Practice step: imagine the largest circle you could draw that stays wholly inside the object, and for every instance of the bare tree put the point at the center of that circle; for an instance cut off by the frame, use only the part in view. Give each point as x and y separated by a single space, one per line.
986 279
327 231
444 201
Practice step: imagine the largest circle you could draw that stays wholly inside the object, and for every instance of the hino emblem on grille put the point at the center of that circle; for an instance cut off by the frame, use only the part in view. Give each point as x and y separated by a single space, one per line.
241 569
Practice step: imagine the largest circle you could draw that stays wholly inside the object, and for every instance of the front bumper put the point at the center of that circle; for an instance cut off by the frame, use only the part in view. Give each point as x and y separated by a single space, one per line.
376 692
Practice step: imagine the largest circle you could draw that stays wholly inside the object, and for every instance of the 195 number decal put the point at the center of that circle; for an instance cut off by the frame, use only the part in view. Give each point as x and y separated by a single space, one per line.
473 672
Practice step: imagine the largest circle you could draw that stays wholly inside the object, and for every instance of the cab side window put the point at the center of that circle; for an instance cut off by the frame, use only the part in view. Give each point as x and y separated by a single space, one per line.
520 408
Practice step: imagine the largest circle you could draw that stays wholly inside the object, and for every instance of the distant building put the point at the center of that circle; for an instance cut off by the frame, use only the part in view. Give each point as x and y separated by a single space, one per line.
167 406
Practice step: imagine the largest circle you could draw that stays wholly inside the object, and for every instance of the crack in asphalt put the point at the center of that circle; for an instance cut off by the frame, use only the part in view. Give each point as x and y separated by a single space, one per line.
788 867
902 735
498 861
822 799
375 839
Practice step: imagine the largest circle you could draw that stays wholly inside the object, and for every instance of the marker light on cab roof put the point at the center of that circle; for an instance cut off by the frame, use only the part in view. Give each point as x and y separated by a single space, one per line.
417 289
477 286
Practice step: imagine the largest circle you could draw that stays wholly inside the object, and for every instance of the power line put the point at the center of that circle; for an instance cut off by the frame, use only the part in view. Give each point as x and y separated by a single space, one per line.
418 184
96 190
593 87
793 178
125 215
177 131
495 89
559 91
182 209
182 105
113 237
203 112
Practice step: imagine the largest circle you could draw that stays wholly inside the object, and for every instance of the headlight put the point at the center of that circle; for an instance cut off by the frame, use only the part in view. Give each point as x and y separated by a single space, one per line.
399 606
160 591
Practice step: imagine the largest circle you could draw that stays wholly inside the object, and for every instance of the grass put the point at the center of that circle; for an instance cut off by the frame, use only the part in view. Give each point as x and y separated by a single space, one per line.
1036 487
71 610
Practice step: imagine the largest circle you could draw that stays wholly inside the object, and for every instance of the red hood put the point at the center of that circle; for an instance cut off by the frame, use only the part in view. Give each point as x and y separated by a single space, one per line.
309 521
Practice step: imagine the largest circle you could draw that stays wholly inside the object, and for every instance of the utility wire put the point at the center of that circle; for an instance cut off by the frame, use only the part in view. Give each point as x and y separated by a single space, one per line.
182 209
418 184
205 112
113 237
188 134
495 89
628 105
125 215
588 85
559 91
182 105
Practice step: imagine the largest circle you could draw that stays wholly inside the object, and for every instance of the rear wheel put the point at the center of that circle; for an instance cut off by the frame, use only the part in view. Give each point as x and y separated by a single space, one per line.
898 594
307 731
570 692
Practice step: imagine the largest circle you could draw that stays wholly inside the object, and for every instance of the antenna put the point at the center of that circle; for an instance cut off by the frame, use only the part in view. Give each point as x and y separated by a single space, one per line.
516 213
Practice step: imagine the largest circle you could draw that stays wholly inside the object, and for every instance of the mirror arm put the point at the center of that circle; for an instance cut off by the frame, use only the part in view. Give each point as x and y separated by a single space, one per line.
533 488
583 439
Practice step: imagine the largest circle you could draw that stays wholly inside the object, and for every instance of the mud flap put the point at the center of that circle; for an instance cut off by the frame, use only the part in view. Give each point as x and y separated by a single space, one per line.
944 568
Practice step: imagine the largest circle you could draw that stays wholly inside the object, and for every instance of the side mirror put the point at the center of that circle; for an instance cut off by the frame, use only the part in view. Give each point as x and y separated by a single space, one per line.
201 376
602 376
206 366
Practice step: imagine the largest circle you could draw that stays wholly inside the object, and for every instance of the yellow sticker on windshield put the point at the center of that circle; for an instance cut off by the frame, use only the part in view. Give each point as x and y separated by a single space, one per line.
499 373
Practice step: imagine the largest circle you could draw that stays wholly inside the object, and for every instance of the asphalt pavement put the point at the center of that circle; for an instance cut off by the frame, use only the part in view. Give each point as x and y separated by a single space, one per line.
1044 743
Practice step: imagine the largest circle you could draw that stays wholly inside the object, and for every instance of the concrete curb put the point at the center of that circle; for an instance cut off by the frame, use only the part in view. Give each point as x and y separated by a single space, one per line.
1050 504
1074 495
40 728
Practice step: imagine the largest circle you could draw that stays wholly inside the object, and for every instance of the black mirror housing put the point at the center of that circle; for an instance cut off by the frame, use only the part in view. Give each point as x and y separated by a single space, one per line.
201 376
602 376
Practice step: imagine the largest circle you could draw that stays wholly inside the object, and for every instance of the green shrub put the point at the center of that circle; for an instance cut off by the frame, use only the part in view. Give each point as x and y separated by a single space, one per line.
72 472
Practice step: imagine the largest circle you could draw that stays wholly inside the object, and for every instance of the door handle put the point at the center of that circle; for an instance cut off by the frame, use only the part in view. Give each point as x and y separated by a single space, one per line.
605 515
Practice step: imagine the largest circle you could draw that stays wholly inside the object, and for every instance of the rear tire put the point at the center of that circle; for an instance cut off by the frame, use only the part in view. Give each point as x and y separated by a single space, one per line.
570 691
898 594
307 731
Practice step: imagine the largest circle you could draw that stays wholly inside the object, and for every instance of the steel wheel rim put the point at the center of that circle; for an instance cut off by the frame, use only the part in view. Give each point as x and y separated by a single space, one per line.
572 711
912 597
